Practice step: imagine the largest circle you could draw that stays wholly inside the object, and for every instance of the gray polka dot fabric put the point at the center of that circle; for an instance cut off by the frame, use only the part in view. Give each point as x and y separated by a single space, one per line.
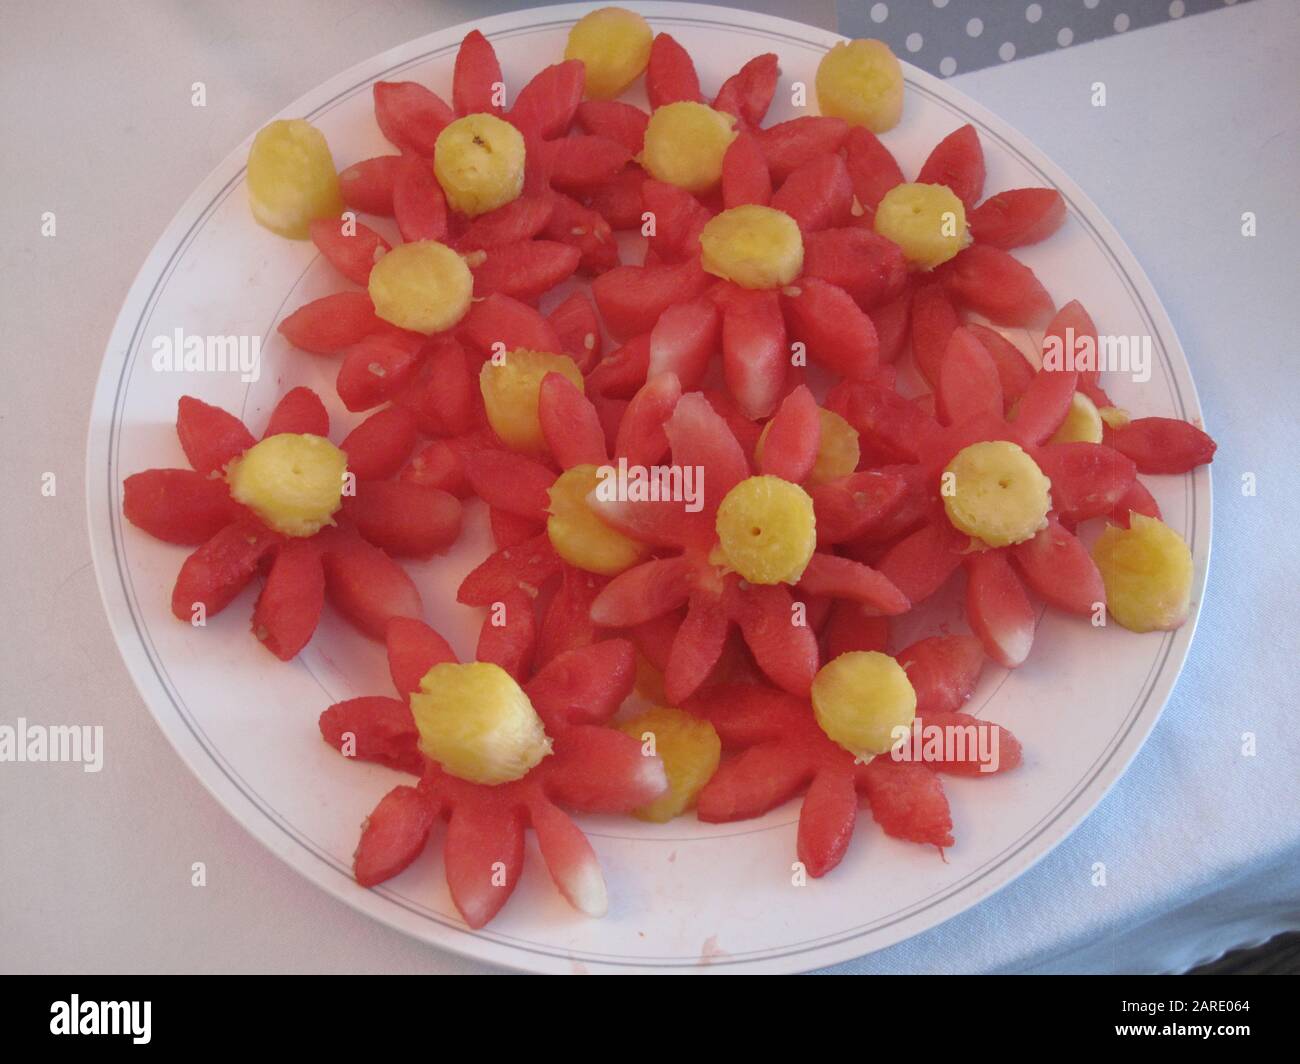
949 37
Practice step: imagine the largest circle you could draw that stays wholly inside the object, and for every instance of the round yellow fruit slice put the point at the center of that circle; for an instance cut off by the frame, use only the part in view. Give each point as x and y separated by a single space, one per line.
767 530
862 83
685 143
292 482
860 698
928 222
424 287
477 723
479 162
753 246
1147 570
291 178
838 449
580 537
614 47
511 390
995 492
690 750
1083 422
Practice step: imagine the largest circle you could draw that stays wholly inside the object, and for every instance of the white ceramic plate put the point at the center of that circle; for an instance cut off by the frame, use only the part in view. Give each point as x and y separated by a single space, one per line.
685 894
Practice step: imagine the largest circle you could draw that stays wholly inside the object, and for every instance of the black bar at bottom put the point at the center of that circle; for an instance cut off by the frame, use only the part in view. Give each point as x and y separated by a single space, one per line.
368 1012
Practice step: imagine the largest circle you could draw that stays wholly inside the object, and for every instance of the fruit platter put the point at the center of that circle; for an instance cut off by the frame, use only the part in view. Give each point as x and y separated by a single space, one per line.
701 494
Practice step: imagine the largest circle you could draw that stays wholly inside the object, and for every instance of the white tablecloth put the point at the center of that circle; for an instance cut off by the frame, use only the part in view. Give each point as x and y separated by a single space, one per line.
1201 843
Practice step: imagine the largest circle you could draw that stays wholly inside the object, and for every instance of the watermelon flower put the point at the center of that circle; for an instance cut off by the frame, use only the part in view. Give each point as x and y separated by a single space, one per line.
983 276
277 522
712 583
591 768
628 563
499 244
516 252
532 243
673 314
780 752
1043 484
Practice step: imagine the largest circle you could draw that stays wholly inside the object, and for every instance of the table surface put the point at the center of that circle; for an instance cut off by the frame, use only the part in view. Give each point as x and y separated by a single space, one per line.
1202 843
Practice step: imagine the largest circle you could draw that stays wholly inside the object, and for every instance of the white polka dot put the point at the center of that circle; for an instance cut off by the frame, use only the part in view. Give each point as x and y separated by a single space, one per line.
1007 51
1090 4
940 3
914 42
947 66
1177 9
879 12
1121 22
1033 13
1065 36
974 27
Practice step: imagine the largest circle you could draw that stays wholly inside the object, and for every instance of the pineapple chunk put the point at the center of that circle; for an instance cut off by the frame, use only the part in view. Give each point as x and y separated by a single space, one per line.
510 394
479 162
578 535
928 222
685 143
862 83
996 493
292 482
767 530
860 698
1147 570
424 287
291 178
690 750
754 246
838 452
614 46
477 723
1083 423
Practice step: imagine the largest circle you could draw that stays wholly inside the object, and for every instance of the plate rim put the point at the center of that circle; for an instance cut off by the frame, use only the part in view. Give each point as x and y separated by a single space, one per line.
383 905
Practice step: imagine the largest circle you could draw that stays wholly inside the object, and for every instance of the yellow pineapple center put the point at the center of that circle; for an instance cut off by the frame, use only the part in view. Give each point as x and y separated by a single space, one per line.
995 492
685 143
928 222
862 83
478 723
292 482
479 162
860 698
511 389
767 530
423 286
690 750
578 535
754 246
